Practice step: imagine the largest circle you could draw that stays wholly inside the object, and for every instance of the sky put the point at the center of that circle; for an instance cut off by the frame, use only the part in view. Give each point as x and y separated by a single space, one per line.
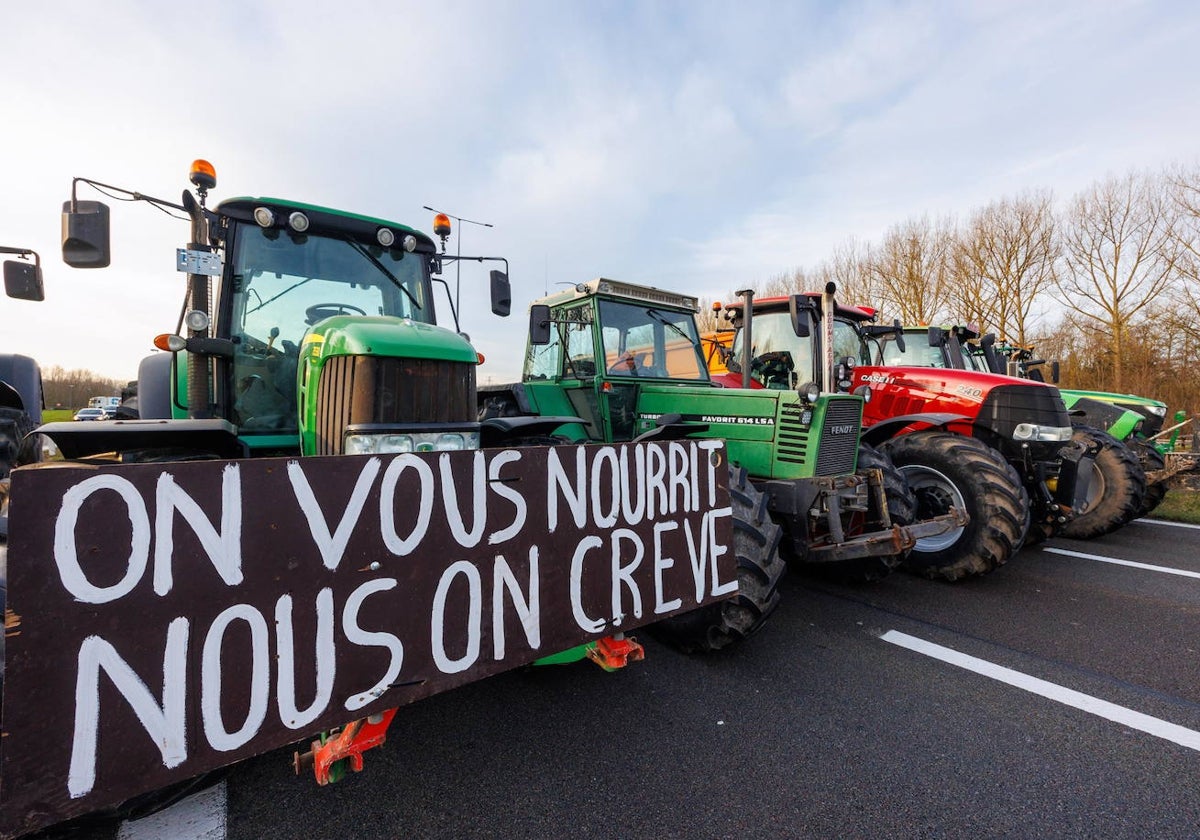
698 147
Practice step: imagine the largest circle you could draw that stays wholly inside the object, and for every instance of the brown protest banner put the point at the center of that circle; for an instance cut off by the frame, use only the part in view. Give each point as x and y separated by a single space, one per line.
170 619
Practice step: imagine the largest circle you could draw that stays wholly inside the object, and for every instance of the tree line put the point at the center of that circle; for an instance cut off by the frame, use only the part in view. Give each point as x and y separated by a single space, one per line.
1107 283
62 388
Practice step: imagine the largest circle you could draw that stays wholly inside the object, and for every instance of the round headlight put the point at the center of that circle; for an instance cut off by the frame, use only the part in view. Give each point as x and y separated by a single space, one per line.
298 221
385 237
196 320
264 216
864 391
810 392
410 243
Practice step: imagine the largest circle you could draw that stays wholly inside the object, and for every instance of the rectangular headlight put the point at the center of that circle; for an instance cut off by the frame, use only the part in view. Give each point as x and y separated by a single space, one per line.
1032 431
362 443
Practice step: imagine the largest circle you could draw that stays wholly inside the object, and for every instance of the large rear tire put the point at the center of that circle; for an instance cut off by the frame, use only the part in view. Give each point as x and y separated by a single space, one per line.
759 569
947 470
15 424
1118 485
901 509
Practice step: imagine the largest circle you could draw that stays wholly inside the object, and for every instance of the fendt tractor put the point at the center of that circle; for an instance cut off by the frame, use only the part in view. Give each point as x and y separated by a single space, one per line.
1116 487
1135 421
997 447
198 586
627 359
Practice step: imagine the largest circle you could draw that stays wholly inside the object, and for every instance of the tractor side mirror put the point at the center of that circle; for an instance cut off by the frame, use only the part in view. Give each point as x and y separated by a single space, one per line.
539 324
935 336
801 313
85 241
23 280
899 334
1054 371
501 294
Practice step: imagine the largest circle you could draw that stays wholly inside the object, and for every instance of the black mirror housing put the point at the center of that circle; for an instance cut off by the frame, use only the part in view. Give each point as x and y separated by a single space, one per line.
501 294
800 311
539 324
85 239
23 280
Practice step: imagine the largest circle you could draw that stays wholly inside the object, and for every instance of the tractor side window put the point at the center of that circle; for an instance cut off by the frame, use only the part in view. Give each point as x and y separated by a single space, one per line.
575 328
846 342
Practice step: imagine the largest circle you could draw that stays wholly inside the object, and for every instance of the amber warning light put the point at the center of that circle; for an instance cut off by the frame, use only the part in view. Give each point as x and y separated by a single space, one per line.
441 225
203 175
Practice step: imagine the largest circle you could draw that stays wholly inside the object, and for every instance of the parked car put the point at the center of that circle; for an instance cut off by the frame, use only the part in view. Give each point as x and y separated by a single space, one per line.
90 414
110 412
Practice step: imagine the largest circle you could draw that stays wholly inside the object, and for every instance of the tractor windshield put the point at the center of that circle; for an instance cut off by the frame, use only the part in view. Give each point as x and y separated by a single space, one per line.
284 283
649 342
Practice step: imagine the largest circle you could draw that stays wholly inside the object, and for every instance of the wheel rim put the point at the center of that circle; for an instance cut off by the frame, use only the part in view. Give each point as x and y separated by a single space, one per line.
1096 488
935 494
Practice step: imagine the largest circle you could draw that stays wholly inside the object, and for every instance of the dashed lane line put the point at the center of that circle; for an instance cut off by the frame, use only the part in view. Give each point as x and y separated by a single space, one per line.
202 816
1166 570
1157 727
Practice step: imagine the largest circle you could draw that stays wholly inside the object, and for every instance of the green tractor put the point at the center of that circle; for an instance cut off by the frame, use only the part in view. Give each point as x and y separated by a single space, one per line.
1135 421
626 360
308 331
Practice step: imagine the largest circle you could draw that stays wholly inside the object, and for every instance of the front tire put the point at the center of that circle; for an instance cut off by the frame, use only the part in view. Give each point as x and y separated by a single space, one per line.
948 470
759 569
1118 485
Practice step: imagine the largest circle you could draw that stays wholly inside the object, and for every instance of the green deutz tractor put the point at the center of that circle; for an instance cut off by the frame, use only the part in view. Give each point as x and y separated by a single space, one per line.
626 360
1135 421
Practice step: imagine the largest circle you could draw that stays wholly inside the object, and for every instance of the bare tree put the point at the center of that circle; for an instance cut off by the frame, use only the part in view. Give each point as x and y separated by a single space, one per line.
909 270
1003 261
1120 251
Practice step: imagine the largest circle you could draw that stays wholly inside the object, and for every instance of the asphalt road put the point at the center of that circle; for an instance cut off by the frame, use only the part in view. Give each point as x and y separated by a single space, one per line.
1070 708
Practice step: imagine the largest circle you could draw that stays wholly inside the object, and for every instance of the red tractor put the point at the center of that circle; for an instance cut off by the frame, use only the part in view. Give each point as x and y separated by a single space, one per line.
996 446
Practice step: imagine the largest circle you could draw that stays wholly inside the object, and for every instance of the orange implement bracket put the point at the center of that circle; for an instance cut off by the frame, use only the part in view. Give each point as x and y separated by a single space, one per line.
613 652
354 739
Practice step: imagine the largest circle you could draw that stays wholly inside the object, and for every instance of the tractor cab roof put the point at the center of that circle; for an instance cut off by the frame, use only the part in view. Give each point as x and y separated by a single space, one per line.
777 303
321 219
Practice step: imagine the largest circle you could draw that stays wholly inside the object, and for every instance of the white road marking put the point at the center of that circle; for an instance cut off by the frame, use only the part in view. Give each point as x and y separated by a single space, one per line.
1166 570
199 817
1102 708
1165 522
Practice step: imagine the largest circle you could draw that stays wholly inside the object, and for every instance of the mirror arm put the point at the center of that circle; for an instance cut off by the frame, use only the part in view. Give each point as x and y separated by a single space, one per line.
133 196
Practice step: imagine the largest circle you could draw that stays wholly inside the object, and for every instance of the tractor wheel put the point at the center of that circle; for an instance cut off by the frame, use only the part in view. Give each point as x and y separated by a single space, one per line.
1152 461
759 568
15 424
901 508
947 470
1118 485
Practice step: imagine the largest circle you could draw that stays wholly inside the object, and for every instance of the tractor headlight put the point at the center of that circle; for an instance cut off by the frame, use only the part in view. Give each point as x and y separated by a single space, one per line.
810 392
363 443
1032 431
1159 410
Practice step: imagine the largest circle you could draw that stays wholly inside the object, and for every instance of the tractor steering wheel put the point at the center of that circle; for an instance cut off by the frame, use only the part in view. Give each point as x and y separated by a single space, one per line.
321 311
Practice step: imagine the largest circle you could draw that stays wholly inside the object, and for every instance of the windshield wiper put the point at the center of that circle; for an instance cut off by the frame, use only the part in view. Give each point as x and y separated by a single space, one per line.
358 246
657 316
278 296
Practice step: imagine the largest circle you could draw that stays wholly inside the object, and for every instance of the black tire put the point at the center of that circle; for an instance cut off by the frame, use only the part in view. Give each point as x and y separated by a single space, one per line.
947 470
901 508
760 568
1118 485
15 424
1152 461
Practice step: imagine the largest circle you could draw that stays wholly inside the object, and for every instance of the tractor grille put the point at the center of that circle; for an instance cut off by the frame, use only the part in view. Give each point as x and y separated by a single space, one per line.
375 389
839 438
